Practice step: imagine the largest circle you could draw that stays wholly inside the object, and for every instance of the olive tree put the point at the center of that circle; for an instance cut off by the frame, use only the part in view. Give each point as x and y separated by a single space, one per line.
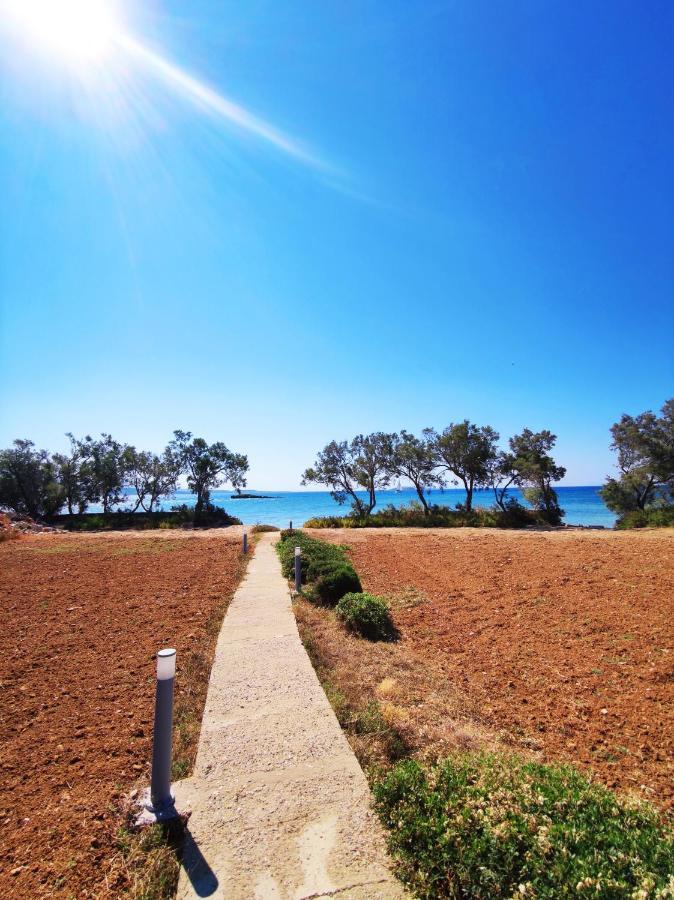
413 458
346 467
645 459
28 483
73 473
151 476
467 452
207 466
537 471
502 475
105 460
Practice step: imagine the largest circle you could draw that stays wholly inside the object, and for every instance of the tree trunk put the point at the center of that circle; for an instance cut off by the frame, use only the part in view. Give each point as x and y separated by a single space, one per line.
469 494
420 493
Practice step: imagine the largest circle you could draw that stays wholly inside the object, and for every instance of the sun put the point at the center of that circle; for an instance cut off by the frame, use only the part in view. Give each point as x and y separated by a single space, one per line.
79 31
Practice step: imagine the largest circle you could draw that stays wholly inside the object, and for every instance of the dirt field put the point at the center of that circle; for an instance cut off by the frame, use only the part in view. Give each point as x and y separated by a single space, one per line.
557 643
82 619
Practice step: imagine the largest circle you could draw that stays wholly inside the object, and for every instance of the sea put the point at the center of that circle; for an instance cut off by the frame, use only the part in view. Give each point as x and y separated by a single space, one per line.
582 505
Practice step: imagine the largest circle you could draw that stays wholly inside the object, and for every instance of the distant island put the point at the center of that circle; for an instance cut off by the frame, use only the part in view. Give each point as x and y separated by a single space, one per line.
253 497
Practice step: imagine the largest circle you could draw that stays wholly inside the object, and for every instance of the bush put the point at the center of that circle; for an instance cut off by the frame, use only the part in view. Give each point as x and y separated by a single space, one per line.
262 529
335 582
496 826
317 556
120 520
516 516
366 615
326 566
656 517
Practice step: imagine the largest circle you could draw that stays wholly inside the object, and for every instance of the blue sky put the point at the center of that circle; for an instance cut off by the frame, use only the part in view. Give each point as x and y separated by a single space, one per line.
465 209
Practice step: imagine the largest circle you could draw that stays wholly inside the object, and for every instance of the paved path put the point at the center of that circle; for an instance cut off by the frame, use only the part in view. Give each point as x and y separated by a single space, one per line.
281 808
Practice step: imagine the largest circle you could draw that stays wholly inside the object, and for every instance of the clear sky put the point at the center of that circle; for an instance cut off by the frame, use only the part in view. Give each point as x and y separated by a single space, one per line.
416 212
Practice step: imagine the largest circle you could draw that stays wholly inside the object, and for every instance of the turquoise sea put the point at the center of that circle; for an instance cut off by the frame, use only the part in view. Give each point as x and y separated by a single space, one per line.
583 505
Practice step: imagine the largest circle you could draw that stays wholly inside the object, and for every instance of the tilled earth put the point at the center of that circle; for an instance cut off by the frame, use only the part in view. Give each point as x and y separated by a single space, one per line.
559 642
83 617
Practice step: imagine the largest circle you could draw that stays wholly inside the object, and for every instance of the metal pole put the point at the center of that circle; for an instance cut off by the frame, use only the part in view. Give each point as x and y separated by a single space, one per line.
160 785
245 542
291 526
298 570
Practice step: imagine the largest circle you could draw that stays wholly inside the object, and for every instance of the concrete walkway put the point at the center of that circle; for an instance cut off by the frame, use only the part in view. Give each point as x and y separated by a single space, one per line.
281 808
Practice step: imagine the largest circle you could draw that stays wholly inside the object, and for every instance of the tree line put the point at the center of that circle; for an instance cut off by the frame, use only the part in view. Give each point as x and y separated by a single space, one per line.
467 454
98 470
463 453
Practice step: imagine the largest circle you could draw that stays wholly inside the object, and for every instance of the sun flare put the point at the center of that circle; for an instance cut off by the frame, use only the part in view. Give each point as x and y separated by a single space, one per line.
80 31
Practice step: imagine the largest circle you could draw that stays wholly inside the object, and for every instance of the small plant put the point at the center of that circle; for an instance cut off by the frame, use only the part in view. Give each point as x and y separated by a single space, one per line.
491 825
335 582
325 566
653 517
367 616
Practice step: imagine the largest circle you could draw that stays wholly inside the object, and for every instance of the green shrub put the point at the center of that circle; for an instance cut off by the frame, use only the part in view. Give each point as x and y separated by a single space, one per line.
317 556
261 529
516 516
121 519
656 517
325 566
335 582
482 826
367 615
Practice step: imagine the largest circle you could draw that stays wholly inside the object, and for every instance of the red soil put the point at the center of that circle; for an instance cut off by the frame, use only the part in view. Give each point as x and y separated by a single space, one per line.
82 618
564 640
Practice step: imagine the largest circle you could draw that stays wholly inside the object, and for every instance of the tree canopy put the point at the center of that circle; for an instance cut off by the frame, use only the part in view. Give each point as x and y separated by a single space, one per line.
644 445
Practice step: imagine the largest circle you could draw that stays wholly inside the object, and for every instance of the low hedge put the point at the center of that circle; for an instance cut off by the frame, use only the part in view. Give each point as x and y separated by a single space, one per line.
325 567
488 825
438 517
366 615
123 520
658 517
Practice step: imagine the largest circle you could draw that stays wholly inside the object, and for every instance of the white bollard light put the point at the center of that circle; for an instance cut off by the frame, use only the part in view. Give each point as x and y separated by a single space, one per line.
298 569
160 785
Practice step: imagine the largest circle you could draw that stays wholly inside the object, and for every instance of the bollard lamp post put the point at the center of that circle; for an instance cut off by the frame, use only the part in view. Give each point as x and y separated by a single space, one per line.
245 542
160 785
298 569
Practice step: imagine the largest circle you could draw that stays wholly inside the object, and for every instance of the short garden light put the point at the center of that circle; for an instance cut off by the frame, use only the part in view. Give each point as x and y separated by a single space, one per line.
298 569
160 784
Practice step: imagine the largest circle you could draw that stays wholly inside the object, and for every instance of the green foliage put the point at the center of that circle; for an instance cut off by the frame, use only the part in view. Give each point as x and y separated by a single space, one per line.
316 555
262 529
333 583
467 452
207 466
122 520
105 465
654 517
367 615
482 826
645 448
535 471
514 516
414 458
151 476
28 483
346 467
325 566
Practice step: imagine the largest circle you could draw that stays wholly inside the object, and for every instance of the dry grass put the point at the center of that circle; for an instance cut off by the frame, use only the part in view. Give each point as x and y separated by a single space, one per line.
383 696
